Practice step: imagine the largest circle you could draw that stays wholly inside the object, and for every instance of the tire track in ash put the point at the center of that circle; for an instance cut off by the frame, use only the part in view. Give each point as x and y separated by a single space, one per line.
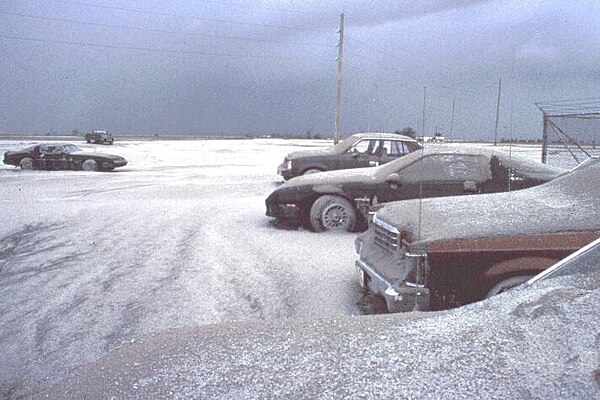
35 259
266 273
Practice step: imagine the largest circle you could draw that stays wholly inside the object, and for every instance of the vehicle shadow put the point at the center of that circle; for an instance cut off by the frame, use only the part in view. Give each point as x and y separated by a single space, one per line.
285 225
371 304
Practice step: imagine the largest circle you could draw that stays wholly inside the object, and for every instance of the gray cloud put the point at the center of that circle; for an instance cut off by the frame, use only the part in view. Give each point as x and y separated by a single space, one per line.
269 78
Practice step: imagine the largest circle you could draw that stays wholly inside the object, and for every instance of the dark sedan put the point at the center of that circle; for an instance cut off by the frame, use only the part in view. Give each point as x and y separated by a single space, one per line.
357 151
62 157
338 199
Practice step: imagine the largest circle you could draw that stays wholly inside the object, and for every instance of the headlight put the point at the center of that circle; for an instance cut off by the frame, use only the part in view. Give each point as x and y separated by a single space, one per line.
358 245
288 164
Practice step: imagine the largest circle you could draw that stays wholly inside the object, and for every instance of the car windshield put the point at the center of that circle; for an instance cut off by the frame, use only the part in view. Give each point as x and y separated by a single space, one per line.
345 144
70 148
584 261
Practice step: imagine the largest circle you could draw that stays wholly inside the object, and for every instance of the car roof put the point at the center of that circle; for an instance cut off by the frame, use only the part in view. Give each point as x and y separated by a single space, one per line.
382 135
518 161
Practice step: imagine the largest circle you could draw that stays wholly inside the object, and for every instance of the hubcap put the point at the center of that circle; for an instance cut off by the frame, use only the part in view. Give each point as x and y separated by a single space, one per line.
336 217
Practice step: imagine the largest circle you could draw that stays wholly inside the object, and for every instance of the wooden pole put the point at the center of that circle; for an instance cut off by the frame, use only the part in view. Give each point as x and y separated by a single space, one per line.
338 101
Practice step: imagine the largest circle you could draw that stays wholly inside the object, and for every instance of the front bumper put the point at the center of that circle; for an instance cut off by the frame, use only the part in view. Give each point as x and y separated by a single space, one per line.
401 297
283 211
120 163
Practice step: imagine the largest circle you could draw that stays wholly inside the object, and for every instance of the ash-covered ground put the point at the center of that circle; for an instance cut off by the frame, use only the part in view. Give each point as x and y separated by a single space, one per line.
177 238
175 249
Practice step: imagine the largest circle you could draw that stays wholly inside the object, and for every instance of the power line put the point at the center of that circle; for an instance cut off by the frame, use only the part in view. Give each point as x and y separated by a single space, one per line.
197 17
266 8
129 27
157 50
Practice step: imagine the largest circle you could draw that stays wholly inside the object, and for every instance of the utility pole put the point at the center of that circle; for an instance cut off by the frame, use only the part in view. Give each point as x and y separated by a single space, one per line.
452 121
423 120
497 111
544 136
338 100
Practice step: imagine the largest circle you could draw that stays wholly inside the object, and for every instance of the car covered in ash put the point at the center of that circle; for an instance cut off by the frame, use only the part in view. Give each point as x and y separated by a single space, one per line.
357 151
99 137
440 253
62 156
585 262
341 199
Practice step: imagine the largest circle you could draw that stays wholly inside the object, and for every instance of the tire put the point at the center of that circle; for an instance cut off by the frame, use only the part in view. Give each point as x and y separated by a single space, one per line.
89 165
311 171
507 284
26 163
332 213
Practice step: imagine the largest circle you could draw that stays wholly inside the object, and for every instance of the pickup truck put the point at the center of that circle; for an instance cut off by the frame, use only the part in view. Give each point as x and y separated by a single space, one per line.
99 137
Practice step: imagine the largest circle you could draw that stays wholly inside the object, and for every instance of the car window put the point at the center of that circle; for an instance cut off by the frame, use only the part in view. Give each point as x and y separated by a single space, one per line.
366 146
47 150
447 167
394 148
70 148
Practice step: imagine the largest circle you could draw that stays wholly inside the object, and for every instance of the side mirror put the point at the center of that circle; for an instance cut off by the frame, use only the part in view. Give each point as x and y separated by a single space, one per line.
393 179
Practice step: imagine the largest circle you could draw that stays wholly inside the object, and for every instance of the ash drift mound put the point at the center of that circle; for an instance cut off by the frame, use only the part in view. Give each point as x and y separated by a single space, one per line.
534 342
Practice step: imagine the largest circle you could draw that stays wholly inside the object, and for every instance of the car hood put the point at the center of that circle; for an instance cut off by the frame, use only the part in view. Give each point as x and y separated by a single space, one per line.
90 154
569 203
310 153
15 152
356 175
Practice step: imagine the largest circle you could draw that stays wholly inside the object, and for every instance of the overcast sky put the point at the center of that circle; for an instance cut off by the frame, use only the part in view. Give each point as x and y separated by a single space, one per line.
236 67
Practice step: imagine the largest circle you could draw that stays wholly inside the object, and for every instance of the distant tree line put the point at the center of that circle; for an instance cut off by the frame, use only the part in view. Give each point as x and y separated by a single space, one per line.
408 131
285 135
515 140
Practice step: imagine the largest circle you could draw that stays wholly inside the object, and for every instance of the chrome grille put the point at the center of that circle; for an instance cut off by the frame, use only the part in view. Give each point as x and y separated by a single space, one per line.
387 237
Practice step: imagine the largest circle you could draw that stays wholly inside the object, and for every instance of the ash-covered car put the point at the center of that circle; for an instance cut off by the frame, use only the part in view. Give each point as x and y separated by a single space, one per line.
585 262
62 156
357 151
340 199
99 137
440 253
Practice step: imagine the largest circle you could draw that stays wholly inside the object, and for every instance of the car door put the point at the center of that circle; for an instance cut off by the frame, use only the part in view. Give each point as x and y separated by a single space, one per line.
55 157
364 153
438 175
47 157
63 158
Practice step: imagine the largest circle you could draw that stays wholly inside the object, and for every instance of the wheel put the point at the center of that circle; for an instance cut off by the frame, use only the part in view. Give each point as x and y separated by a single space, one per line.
332 213
507 284
311 171
88 140
26 163
89 165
